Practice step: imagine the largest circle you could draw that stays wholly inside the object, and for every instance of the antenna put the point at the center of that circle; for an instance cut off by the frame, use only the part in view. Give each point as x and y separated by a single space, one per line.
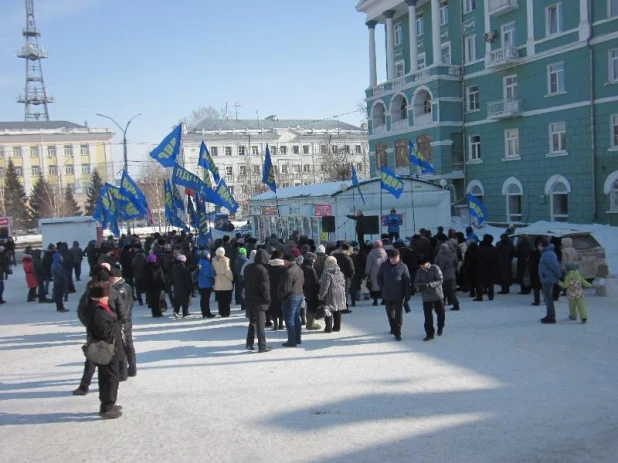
237 105
35 96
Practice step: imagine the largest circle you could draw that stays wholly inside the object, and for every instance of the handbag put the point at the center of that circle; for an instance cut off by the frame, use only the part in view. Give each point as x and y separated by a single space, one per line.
99 352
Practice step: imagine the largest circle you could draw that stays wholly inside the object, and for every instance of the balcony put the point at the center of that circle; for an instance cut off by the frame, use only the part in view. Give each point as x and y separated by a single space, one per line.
401 124
379 129
423 119
503 109
503 57
415 78
500 7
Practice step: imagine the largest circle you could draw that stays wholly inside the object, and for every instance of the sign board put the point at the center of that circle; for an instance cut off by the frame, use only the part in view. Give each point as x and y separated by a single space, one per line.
269 210
321 210
5 228
5 222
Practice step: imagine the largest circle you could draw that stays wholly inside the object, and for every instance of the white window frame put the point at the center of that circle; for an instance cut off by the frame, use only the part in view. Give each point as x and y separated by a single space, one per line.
508 34
242 170
548 19
612 8
613 65
510 84
358 149
554 217
398 32
283 150
400 69
86 169
446 46
36 171
476 99
422 59
613 131
613 197
511 144
474 143
34 151
214 151
513 216
229 171
469 49
420 25
557 131
53 171
19 171
228 150
443 13
51 151
469 6
306 149
255 151
296 149
307 168
67 150
17 151
556 69
242 150
84 150
69 169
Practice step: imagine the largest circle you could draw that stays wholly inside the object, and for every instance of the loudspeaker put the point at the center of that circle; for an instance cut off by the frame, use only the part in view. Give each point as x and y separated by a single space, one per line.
328 224
372 225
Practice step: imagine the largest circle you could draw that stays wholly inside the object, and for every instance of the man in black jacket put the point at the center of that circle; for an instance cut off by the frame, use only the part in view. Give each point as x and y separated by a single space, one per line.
290 292
394 282
359 218
126 293
257 299
346 265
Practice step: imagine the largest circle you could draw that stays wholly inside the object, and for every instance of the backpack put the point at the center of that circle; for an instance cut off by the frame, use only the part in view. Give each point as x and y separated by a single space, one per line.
575 289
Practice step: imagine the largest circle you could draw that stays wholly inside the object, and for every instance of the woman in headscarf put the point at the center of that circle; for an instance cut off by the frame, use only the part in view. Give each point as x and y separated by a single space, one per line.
375 258
223 282
154 283
332 294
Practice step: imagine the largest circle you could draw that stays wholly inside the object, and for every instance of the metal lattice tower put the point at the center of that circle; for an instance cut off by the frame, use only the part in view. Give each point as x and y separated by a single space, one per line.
35 96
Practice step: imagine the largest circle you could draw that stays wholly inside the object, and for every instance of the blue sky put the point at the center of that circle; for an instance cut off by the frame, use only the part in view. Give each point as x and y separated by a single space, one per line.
297 59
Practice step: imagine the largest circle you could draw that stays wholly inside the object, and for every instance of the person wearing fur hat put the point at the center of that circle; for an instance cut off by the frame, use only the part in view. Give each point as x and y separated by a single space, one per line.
346 265
332 294
290 293
128 367
154 283
223 282
182 284
574 284
257 296
428 281
394 280
321 256
311 288
487 268
376 257
276 269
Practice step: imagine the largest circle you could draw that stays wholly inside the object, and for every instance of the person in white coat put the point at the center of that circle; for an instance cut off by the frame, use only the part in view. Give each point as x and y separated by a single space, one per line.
223 282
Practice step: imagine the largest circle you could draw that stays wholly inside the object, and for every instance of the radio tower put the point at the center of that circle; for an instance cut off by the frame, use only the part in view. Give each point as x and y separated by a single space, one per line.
35 97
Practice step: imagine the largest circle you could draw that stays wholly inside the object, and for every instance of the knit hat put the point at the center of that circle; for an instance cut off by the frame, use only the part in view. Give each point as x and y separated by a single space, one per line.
151 258
115 272
330 262
181 258
242 251
422 260
310 256
289 257
320 249
296 252
570 266
220 252
377 244
97 291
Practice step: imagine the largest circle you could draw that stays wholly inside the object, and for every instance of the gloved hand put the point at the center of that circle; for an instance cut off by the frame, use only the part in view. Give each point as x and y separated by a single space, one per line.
406 307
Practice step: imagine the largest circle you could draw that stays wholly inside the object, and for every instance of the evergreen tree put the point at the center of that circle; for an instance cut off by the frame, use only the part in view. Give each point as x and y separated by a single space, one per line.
70 205
92 195
15 199
41 201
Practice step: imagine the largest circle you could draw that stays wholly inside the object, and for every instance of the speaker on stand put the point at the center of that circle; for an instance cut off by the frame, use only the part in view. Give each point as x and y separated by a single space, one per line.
328 224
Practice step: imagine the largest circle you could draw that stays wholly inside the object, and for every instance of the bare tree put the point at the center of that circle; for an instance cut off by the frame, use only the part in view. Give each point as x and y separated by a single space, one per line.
335 164
201 114
150 181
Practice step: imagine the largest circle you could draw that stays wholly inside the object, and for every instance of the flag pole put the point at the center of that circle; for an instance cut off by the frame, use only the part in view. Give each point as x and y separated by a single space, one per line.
380 218
413 206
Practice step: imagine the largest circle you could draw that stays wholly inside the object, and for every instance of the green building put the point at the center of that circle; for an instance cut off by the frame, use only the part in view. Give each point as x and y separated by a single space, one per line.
513 101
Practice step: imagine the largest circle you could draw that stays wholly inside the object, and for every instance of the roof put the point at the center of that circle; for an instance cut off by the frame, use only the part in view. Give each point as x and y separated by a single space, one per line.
270 124
39 125
74 219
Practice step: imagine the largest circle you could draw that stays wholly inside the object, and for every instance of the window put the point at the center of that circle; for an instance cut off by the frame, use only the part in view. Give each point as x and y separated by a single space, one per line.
613 65
614 131
473 98
256 170
469 6
297 168
446 53
359 168
443 13
475 147
283 149
511 143
423 145
420 26
53 171
470 48
296 149
400 69
275 169
306 149
559 202
229 171
231 187
84 150
307 168
242 151
18 171
613 8
513 203
358 149
553 19
68 150
228 150
381 156
398 34
34 151
510 87
613 197
36 171
555 79
16 152
346 149
421 63
508 35
214 151
284 169
69 170
255 151
85 168
402 156
244 189
557 137
273 150
242 170
335 149
1 152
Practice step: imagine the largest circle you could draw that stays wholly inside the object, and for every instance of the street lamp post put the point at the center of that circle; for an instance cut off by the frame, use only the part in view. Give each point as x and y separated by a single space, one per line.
124 137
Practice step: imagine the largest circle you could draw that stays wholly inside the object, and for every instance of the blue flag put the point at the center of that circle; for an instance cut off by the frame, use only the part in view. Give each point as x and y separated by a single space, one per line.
477 208
193 216
130 190
169 201
167 151
177 222
390 182
226 197
182 176
268 173
417 159
176 198
205 160
355 182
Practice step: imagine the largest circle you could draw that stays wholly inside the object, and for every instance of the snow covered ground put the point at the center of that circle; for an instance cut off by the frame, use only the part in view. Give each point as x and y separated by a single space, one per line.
497 387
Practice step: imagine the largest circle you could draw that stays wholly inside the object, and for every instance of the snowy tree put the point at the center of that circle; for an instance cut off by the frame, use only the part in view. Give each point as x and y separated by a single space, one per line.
150 181
70 206
92 194
15 199
41 204
201 114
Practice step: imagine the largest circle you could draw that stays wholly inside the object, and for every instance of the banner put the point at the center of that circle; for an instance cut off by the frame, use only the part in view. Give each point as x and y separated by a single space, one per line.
477 209
226 197
169 202
268 173
193 216
177 222
130 190
205 160
355 182
390 182
167 151
417 159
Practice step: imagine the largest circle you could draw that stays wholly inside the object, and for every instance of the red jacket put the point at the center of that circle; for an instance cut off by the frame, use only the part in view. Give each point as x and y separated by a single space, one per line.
29 271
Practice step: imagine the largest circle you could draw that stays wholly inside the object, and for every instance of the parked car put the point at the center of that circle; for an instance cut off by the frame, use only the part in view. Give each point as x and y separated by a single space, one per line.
590 254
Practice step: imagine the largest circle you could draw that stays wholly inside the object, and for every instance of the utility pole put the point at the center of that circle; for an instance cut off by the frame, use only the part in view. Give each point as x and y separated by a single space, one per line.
124 137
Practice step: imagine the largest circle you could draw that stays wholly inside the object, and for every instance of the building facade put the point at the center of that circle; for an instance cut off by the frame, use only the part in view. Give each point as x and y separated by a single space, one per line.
514 101
303 152
62 152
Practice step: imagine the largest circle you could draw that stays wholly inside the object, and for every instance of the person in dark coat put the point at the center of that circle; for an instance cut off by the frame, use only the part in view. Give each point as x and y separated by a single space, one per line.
67 263
358 259
40 274
470 266
557 242
487 262
154 283
311 288
346 265
126 263
183 286
394 280
92 254
128 367
59 278
105 326
447 261
522 254
257 299
408 256
47 263
533 267
290 293
276 269
78 256
137 265
359 218
505 252
238 263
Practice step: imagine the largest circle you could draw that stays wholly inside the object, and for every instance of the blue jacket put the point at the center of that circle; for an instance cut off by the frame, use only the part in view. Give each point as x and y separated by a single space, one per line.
393 221
549 267
206 277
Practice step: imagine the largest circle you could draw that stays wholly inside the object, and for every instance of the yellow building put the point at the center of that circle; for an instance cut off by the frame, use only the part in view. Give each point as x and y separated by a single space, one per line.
62 152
